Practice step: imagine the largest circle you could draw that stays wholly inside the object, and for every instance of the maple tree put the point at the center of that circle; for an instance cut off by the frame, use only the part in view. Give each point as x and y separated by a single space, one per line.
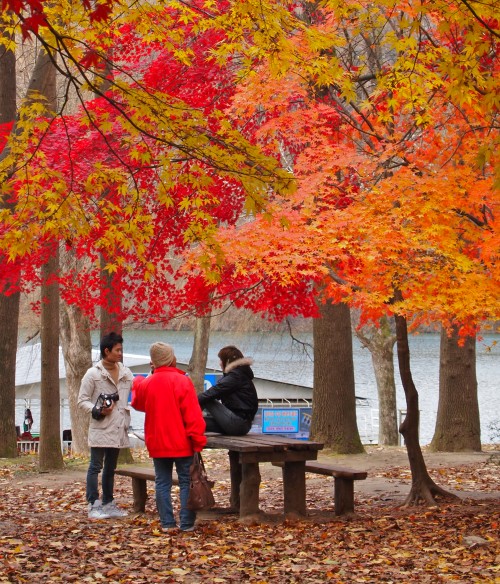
399 126
393 144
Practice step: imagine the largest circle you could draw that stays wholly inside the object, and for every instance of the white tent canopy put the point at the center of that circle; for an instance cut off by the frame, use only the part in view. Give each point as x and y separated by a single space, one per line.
29 368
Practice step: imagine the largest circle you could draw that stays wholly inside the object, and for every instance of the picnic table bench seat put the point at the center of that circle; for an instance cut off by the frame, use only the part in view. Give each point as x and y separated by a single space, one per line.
343 482
140 475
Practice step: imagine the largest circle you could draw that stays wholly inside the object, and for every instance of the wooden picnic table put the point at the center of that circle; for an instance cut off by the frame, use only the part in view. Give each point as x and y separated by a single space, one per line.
245 454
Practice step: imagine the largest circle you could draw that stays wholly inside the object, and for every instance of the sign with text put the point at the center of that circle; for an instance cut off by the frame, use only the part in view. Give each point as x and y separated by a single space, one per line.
280 420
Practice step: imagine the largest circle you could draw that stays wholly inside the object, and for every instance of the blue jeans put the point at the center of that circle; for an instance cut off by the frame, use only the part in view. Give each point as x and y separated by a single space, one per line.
163 485
99 457
224 421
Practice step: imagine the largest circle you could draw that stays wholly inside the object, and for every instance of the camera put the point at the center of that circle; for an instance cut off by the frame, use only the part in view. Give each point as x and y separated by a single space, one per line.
103 401
109 398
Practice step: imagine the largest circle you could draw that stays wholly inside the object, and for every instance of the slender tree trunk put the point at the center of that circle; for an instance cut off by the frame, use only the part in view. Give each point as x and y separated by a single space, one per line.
334 401
50 453
9 298
423 487
9 318
110 313
77 351
111 310
380 342
458 427
198 362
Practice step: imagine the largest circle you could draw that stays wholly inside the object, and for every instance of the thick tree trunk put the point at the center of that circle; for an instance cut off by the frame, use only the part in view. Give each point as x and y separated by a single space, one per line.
9 303
77 351
198 362
334 400
458 427
380 342
50 453
423 488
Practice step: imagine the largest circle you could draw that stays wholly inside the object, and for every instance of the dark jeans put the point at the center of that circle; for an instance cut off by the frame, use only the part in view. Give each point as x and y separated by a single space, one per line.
224 421
163 485
99 458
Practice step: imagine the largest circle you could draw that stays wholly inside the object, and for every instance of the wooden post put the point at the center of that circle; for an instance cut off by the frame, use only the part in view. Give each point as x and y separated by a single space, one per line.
344 496
249 489
235 474
294 488
140 493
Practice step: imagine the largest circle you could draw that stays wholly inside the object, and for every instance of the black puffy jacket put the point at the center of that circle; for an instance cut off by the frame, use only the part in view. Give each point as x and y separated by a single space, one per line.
235 390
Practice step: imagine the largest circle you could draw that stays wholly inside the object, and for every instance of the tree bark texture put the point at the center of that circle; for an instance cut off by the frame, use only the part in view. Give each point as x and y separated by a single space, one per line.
50 453
9 316
9 302
458 427
334 401
198 362
77 351
379 340
423 488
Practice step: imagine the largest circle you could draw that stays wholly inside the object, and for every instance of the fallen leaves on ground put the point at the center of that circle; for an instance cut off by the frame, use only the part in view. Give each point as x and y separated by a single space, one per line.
45 536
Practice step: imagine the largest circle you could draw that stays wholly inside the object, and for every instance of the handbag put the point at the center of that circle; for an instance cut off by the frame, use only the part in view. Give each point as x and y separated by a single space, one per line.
200 490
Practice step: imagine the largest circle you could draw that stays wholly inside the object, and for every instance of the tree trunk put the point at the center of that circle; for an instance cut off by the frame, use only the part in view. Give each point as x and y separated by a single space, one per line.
458 427
423 487
110 313
50 453
9 302
380 342
198 362
334 400
77 351
9 317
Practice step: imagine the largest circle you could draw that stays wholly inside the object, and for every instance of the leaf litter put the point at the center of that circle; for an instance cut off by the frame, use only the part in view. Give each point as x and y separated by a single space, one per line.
45 535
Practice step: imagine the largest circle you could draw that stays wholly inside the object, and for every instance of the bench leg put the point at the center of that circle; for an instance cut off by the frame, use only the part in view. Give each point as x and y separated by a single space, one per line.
249 488
294 488
235 474
344 496
140 493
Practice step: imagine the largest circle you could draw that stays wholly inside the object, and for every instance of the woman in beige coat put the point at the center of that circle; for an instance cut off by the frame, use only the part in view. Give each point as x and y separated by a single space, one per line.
104 393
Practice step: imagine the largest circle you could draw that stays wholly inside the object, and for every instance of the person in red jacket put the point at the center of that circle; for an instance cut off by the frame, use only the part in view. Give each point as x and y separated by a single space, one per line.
173 430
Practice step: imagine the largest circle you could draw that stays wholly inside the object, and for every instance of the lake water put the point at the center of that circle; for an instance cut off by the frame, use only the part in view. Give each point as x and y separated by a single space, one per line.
277 357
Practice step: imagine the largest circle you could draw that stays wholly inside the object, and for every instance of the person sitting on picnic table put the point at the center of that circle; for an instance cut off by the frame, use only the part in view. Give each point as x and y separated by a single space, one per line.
232 403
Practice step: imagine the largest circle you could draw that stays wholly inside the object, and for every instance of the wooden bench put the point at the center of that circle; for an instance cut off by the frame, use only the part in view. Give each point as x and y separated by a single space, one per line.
139 475
343 482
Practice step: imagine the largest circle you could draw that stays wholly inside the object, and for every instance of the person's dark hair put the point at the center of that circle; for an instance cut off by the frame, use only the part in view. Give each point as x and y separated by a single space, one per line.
229 354
109 341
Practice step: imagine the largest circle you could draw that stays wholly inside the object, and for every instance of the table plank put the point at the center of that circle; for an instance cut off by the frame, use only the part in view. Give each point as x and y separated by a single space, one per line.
260 443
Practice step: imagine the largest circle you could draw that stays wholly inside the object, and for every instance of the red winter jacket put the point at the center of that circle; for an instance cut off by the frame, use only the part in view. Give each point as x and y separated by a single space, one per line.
174 425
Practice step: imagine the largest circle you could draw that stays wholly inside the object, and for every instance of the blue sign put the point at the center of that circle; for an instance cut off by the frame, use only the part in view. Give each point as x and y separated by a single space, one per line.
280 420
210 379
